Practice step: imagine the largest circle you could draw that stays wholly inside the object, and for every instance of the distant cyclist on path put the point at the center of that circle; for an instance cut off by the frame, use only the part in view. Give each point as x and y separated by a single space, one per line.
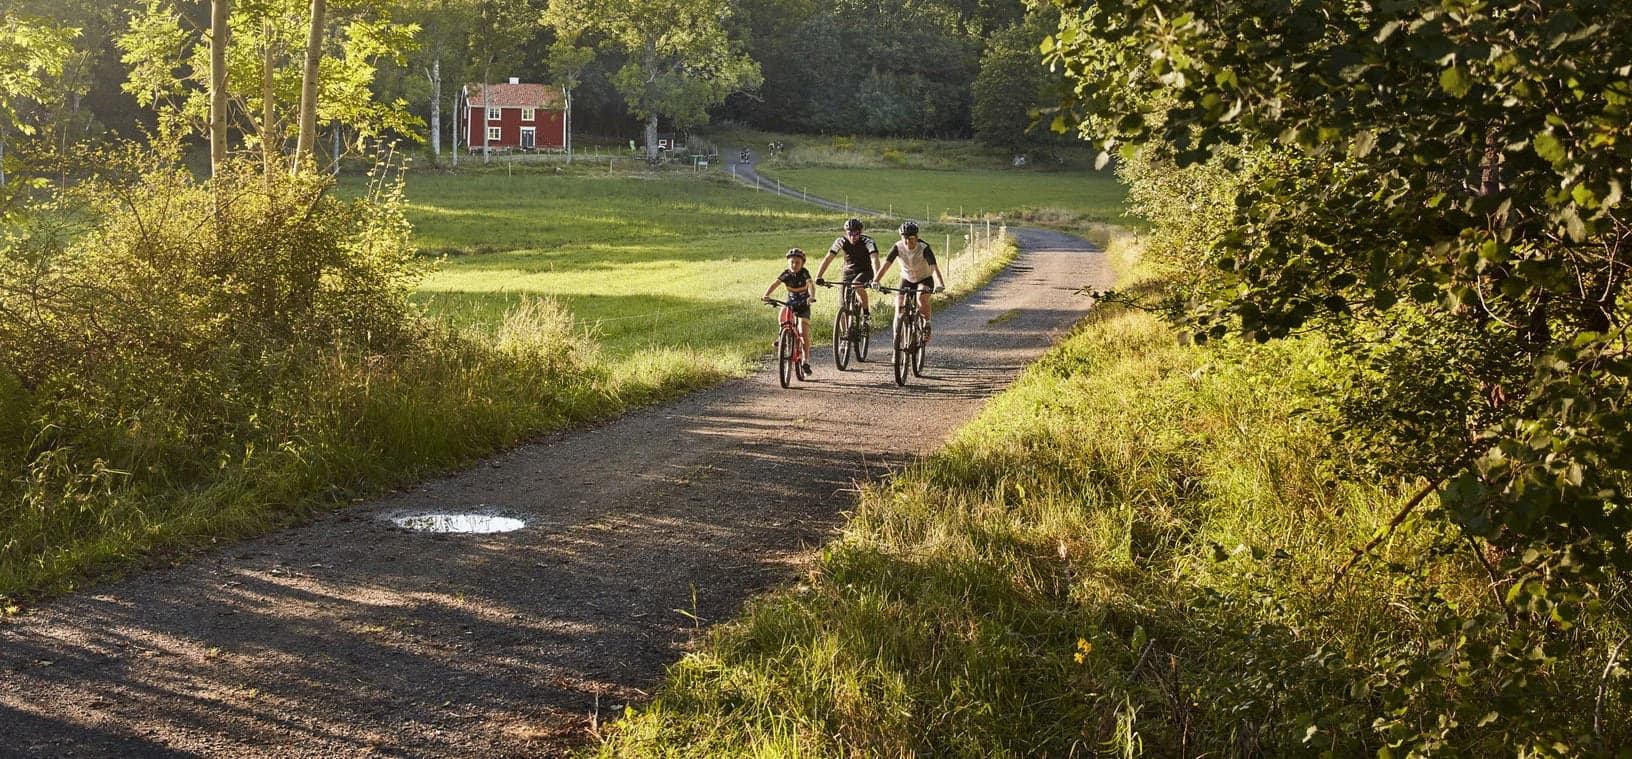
860 261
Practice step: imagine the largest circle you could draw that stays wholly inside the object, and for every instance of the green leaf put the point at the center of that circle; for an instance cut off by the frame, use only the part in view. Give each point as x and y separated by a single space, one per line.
1455 81
1584 196
1549 147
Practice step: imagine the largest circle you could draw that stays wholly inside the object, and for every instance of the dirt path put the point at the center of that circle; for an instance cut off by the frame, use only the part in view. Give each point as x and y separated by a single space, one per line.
352 637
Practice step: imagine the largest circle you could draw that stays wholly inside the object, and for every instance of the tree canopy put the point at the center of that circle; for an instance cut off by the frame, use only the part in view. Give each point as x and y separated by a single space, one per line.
680 61
1437 188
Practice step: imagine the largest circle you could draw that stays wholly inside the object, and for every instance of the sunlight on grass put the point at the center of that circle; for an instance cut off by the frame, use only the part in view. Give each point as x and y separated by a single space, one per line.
1010 195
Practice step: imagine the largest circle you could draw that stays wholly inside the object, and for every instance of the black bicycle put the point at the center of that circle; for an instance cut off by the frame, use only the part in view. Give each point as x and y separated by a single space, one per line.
911 326
852 332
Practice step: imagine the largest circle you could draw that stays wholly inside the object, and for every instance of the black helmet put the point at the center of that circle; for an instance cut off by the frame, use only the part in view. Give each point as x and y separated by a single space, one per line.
853 225
909 229
795 253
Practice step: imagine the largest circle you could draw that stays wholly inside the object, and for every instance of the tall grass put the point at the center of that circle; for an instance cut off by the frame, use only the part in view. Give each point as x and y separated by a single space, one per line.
1129 553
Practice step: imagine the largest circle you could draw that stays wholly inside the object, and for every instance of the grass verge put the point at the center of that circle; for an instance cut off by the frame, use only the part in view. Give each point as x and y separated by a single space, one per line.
1128 553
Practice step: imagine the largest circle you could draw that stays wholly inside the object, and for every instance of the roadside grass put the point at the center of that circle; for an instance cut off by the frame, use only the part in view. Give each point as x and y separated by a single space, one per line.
337 427
1128 553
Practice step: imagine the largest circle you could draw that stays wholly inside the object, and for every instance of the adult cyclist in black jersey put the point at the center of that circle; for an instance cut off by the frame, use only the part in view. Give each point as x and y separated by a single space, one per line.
860 261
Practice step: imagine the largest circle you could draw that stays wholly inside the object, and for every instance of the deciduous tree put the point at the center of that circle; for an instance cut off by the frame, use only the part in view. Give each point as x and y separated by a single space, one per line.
681 62
1440 188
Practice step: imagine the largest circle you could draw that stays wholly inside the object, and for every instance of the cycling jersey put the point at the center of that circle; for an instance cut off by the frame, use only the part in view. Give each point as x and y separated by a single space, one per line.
916 261
798 285
858 254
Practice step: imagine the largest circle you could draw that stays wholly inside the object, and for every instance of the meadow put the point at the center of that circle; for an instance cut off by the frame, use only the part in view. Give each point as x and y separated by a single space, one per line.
657 267
1016 196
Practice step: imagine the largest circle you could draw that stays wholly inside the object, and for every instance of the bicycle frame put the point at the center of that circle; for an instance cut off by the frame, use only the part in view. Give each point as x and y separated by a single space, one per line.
909 338
790 348
851 333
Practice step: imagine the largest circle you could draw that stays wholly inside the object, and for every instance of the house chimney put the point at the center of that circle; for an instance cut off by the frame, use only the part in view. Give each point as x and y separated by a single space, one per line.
515 80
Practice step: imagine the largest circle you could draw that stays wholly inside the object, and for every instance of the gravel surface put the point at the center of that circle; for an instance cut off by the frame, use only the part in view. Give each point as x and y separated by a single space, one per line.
353 637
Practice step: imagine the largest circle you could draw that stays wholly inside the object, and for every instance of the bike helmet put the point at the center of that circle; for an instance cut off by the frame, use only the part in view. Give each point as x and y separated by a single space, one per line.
909 229
795 253
853 225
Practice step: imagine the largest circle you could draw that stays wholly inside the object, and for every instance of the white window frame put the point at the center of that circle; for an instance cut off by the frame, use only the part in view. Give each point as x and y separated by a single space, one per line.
494 134
495 113
529 114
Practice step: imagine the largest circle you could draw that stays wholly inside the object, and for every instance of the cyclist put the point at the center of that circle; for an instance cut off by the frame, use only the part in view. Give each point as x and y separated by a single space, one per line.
918 271
800 295
860 261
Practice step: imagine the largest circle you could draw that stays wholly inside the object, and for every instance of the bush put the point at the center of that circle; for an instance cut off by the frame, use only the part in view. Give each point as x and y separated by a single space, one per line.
182 360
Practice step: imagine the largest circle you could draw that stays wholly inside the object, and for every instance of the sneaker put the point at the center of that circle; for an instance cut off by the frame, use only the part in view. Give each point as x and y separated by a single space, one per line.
808 370
926 332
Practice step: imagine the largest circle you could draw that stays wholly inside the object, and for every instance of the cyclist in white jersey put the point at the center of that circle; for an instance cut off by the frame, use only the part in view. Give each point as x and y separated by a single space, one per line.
918 271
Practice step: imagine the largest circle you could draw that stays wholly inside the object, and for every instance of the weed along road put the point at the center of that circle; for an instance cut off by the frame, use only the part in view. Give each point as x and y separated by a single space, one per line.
354 636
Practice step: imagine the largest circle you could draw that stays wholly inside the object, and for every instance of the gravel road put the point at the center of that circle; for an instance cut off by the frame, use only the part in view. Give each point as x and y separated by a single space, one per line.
352 637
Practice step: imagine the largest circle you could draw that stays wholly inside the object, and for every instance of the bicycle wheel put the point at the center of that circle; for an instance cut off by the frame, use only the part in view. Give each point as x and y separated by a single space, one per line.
919 347
784 356
903 353
841 336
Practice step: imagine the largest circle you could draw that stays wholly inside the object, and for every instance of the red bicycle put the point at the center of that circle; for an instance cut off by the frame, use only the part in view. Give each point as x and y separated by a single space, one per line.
790 350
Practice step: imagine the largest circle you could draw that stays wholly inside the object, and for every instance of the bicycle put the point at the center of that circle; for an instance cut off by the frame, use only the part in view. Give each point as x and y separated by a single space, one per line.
790 350
852 333
910 345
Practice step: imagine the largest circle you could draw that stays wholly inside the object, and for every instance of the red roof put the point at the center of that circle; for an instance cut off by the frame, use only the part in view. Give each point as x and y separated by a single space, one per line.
515 96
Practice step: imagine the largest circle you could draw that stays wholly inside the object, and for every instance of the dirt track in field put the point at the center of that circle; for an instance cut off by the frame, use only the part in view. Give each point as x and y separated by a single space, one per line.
352 637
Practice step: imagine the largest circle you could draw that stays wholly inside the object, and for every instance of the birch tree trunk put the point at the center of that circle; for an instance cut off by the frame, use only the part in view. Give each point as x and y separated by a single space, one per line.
219 10
436 106
269 114
306 147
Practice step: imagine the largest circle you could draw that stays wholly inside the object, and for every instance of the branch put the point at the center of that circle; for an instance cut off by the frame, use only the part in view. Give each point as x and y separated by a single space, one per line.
1384 533
1598 704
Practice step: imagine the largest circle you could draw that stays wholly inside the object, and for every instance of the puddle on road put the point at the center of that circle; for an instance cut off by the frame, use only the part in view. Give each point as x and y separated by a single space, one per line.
473 523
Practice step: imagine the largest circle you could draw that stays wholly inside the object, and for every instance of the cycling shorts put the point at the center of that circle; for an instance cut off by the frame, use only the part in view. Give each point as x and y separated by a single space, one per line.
800 309
924 285
859 276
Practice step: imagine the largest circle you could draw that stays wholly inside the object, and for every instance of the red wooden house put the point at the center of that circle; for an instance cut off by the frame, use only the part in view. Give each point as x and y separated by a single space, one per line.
515 116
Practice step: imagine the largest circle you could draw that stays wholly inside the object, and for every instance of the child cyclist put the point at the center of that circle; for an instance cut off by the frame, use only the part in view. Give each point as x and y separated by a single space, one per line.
800 295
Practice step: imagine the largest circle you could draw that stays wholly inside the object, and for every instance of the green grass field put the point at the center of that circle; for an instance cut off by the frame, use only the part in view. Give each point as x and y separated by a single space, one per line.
663 265
1012 195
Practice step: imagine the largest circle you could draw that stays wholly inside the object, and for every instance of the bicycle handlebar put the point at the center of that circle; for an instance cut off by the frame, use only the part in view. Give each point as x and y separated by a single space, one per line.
920 290
851 285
